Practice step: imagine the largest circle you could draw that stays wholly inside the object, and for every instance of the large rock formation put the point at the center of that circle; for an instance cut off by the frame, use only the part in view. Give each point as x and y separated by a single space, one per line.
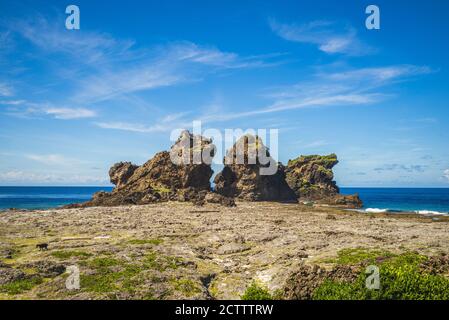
312 179
183 174
250 173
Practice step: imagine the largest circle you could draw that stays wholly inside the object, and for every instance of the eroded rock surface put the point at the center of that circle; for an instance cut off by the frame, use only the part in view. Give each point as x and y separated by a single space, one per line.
250 173
312 179
175 250
121 172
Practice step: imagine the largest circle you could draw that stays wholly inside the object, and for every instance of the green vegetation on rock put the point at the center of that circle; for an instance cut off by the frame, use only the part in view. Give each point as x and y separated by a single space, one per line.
21 285
256 291
146 241
156 261
186 286
401 278
60 254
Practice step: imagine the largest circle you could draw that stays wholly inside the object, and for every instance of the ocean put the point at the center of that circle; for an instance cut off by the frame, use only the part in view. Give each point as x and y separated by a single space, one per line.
45 197
419 200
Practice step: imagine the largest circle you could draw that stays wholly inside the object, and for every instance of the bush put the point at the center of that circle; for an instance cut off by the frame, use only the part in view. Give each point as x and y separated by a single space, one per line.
256 292
400 279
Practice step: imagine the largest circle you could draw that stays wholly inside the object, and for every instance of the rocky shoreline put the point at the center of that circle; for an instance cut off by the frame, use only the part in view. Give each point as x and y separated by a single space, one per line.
178 250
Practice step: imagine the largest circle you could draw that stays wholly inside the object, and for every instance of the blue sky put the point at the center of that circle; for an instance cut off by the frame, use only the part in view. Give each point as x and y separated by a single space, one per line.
73 102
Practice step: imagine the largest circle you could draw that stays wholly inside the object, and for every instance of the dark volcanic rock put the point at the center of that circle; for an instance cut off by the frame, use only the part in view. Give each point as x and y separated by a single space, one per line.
312 179
47 269
8 275
184 170
121 172
348 201
305 279
212 197
251 174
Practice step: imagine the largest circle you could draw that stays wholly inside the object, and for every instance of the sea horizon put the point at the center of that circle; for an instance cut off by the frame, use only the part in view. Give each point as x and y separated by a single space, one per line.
419 200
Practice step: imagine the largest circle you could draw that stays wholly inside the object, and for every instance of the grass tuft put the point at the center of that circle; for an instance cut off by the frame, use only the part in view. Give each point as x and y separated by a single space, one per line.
256 292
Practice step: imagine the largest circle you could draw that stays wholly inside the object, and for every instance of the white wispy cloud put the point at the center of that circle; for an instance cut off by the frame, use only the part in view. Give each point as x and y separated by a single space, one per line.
29 177
70 113
378 74
168 65
12 102
54 160
166 124
48 158
5 90
446 174
316 144
27 109
329 36
85 46
350 87
134 127
108 68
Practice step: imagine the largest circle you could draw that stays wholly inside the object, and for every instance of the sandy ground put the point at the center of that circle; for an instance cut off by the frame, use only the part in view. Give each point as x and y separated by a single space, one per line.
222 249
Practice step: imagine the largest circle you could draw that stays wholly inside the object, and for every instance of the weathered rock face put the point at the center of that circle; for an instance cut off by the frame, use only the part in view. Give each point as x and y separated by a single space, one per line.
121 172
305 279
311 178
251 174
163 177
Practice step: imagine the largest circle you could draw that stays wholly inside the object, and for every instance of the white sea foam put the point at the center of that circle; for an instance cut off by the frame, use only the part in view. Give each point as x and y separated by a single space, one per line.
429 212
375 210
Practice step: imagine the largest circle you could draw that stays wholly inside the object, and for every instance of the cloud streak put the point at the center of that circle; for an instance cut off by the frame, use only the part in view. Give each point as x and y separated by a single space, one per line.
100 67
328 36
401 167
70 113
33 178
446 174
350 87
5 90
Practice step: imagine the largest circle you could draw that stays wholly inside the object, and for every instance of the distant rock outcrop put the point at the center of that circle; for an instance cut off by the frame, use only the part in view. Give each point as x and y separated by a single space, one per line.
251 174
182 173
312 179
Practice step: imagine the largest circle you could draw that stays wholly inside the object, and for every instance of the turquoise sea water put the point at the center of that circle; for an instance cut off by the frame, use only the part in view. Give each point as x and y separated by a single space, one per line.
44 197
419 200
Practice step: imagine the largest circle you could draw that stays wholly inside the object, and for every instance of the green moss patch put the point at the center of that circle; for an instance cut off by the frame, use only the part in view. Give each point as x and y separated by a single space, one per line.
256 291
159 262
146 241
186 286
63 255
20 286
